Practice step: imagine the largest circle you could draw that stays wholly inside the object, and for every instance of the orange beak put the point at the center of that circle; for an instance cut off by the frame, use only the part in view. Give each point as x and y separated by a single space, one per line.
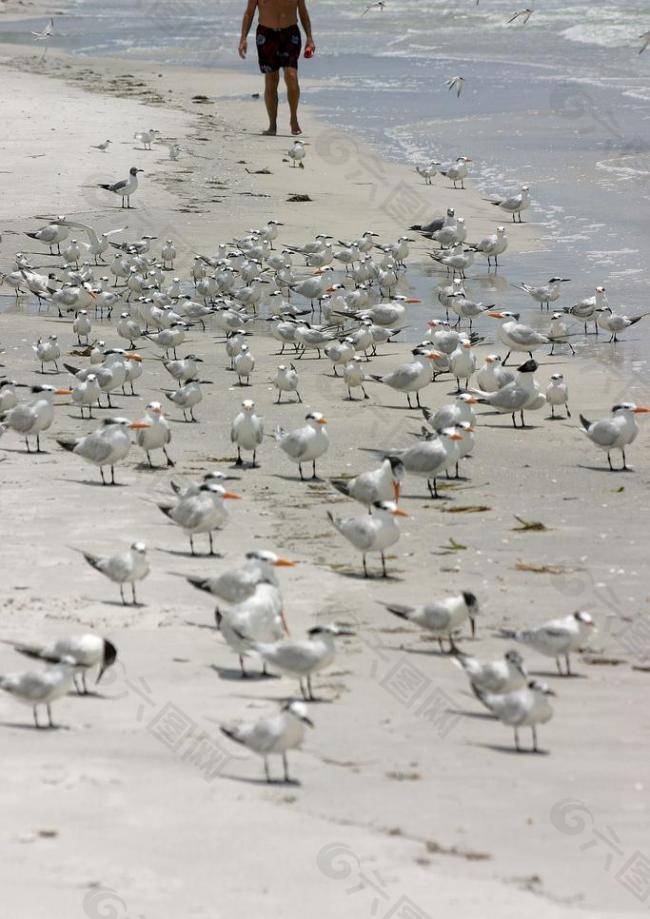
488 360
433 355
455 437
413 300
231 496
495 315
138 425
398 512
397 490
134 357
284 563
284 622
471 401
62 392
641 410
322 421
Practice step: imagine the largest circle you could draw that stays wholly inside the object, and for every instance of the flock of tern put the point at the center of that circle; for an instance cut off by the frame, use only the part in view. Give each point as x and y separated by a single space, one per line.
338 302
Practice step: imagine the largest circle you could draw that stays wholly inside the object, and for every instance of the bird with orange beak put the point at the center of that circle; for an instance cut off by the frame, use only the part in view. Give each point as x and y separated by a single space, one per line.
200 512
156 434
106 446
30 419
411 377
374 533
247 431
615 432
381 484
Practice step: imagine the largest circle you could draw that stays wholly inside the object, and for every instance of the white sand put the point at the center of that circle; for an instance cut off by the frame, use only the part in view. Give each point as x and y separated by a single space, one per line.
417 802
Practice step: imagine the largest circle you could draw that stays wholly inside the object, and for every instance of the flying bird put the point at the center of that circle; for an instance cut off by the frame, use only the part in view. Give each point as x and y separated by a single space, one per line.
456 83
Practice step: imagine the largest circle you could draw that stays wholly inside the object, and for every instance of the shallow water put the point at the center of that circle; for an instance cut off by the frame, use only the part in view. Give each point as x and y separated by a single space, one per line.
560 103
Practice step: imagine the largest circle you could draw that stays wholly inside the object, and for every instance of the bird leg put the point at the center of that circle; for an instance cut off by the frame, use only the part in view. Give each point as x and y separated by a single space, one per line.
302 478
506 359
609 460
35 711
170 461
192 545
122 595
266 769
568 413
624 466
211 544
534 730
384 573
135 602
286 767
313 466
83 683
303 690
239 461
517 747
49 715
567 660
365 569
244 675
101 472
149 459
113 482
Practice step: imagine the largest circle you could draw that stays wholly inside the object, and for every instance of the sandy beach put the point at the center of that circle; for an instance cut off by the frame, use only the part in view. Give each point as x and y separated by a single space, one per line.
411 801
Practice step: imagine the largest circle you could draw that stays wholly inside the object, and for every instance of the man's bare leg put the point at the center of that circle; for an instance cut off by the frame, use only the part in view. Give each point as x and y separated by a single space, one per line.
271 81
293 97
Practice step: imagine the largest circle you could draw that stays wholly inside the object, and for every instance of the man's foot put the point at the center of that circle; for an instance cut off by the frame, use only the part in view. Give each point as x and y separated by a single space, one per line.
295 130
270 132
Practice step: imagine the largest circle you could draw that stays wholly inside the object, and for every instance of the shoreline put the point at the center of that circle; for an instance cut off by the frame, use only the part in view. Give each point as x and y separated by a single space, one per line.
399 783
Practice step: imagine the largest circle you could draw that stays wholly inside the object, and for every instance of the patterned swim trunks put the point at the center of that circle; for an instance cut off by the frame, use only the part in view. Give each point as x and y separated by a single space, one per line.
278 48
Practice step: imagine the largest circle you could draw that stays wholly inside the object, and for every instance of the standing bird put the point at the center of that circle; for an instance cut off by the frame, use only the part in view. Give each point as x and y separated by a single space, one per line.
286 380
614 323
381 484
86 393
586 309
545 294
427 172
556 638
354 376
82 327
126 187
514 204
247 431
557 393
122 568
305 444
296 154
186 398
156 433
244 365
558 333
526 707
48 352
106 446
493 676
200 512
275 734
493 246
518 396
86 651
411 377
30 419
236 585
615 432
374 532
53 234
301 658
103 146
442 618
516 336
457 171
492 375
41 687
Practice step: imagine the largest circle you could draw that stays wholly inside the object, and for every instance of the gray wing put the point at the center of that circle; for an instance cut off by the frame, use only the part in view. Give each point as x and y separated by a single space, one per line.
604 433
511 708
523 335
294 444
356 530
403 376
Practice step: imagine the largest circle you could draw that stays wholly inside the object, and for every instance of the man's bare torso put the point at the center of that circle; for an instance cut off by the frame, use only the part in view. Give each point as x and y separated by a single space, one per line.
278 14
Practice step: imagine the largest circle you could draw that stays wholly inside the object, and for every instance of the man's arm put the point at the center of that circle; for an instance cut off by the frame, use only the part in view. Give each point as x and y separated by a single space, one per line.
306 24
247 22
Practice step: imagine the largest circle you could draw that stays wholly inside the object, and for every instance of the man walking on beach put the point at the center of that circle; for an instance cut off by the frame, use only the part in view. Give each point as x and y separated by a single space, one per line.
278 46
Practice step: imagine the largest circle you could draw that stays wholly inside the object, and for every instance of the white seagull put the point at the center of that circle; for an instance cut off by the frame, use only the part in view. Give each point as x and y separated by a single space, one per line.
556 638
615 432
375 532
442 618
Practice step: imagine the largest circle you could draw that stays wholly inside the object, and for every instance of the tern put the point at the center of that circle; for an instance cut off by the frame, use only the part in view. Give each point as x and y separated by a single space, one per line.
193 488
557 393
613 322
122 568
47 351
517 396
442 618
428 229
247 431
354 377
368 488
275 734
106 446
586 309
244 363
556 638
146 138
615 432
239 584
456 83
514 204
493 246
305 444
297 153
410 377
302 658
526 707
124 188
258 618
456 260
457 171
8 396
452 413
41 687
545 294
430 457
82 326
86 651
184 369
516 336
493 676
103 146
286 380
156 433
645 39
186 398
493 375
524 15
86 393
46 32
374 532
200 513
427 172
377 5
558 333
53 234
30 419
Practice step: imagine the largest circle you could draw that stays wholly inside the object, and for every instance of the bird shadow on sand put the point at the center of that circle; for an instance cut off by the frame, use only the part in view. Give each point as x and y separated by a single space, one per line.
187 554
511 427
277 783
95 484
502 748
26 452
553 674
235 675
26 726
91 694
356 575
121 605
604 468
479 716
201 625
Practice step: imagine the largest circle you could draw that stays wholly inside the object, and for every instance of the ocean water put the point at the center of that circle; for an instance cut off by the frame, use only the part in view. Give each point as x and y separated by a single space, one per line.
561 103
